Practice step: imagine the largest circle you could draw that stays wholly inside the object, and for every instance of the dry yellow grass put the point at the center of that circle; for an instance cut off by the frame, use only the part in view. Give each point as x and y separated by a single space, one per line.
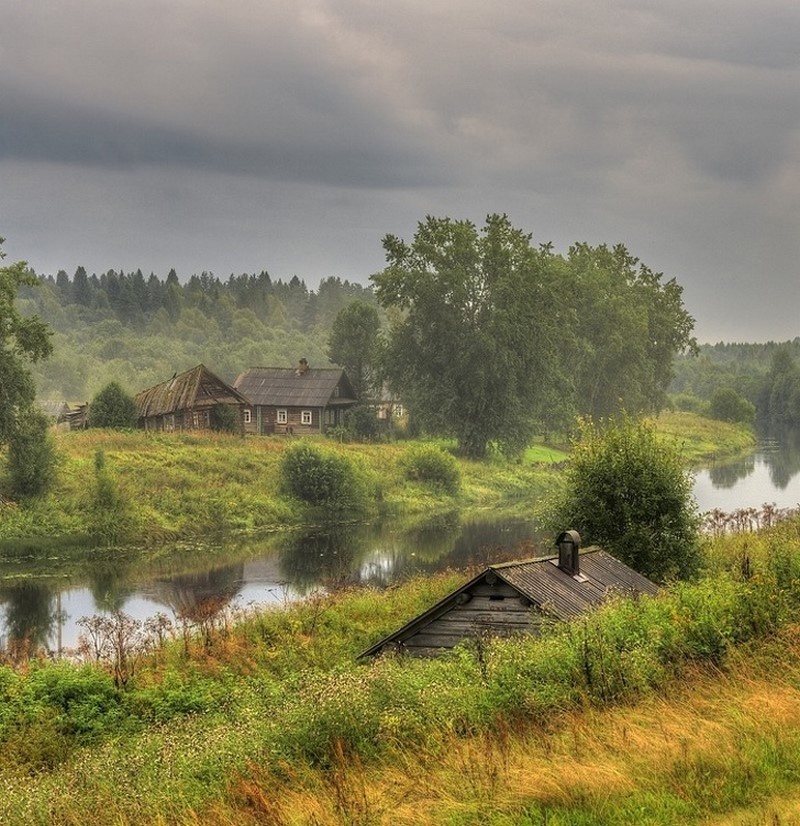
679 743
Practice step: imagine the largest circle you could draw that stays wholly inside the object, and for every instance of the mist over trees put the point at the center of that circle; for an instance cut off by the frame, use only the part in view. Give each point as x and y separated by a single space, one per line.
137 330
741 382
493 338
483 335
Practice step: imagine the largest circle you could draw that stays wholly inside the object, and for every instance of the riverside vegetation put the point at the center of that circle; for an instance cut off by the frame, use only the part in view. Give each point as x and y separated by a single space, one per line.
675 709
266 716
149 488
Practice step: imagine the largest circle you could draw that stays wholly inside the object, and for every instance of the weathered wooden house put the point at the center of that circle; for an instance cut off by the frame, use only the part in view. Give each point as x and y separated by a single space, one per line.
301 400
517 598
55 410
186 401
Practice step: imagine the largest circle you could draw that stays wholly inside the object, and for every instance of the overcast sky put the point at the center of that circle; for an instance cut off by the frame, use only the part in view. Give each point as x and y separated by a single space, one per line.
292 136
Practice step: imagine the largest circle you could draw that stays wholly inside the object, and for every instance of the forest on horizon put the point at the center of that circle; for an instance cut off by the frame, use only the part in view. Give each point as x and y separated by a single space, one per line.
139 330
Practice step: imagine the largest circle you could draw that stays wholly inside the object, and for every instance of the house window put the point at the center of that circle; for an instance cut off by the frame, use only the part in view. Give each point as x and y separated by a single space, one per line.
195 420
398 411
305 417
283 417
248 417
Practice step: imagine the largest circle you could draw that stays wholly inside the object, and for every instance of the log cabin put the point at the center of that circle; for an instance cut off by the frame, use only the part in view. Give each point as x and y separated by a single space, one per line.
294 400
186 401
518 598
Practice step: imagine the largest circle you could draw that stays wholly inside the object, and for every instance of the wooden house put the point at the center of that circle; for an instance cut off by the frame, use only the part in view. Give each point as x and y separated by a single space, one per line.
518 598
301 400
186 401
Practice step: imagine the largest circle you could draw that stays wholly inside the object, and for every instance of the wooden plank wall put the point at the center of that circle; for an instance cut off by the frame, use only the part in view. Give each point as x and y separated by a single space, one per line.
494 609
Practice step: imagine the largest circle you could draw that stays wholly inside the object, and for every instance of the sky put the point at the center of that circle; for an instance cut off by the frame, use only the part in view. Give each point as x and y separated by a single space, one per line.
292 137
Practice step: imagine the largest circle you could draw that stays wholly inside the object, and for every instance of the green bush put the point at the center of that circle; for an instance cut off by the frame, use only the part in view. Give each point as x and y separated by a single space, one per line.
322 478
112 407
32 456
629 492
432 466
727 405
224 418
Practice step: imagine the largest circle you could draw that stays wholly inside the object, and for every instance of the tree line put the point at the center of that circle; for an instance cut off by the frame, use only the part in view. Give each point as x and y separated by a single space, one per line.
741 382
486 336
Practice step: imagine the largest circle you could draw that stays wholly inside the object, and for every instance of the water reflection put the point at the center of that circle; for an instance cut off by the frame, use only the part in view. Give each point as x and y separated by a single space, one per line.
275 569
771 474
200 596
31 616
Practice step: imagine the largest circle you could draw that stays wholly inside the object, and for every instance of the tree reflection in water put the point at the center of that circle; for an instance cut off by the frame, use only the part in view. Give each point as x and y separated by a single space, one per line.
31 617
199 597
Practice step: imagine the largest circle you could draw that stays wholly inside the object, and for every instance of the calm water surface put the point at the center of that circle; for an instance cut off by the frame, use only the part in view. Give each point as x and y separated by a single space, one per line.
280 568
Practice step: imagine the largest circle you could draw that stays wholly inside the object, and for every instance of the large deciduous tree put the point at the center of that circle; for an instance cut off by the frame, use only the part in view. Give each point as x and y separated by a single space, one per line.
473 345
353 344
630 326
23 340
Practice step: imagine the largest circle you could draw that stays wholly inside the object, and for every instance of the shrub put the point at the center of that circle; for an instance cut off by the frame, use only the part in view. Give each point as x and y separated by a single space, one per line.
224 418
112 407
31 455
728 406
629 492
322 478
432 466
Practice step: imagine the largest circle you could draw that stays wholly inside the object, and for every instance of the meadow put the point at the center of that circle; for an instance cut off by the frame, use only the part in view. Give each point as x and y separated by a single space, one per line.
146 489
675 709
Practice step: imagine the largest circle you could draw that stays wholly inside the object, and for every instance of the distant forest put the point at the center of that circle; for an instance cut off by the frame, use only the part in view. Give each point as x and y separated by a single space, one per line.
139 330
721 376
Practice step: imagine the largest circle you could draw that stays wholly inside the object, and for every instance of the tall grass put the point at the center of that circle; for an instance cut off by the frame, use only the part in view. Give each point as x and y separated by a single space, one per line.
635 711
184 485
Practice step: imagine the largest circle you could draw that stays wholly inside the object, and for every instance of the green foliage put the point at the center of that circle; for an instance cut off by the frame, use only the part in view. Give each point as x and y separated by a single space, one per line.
628 491
360 422
630 326
24 340
111 518
493 339
432 466
322 478
477 316
32 458
225 419
112 407
780 395
354 345
728 406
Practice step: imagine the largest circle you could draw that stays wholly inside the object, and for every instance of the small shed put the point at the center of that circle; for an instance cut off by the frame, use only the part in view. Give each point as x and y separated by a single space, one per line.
185 401
518 598
300 400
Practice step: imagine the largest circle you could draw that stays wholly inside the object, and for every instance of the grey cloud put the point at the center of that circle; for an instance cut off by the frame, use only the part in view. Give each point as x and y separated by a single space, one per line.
305 131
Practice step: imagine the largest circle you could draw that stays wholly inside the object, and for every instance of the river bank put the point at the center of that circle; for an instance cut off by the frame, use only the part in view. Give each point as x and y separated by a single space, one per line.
146 489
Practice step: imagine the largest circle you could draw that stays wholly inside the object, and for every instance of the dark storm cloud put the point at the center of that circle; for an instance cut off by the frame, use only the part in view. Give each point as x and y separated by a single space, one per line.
52 132
300 133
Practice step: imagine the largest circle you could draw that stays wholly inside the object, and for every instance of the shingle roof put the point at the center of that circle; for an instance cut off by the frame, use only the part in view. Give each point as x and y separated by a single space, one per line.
287 387
195 388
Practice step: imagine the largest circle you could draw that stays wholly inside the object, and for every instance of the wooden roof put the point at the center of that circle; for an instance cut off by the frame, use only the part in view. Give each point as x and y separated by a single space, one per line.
288 387
547 587
195 388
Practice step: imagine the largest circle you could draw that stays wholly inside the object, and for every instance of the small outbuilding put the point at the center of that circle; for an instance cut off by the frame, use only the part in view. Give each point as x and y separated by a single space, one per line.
186 401
301 400
518 598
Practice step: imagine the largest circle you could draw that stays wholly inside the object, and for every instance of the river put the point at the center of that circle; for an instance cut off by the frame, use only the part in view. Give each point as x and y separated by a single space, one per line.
282 567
